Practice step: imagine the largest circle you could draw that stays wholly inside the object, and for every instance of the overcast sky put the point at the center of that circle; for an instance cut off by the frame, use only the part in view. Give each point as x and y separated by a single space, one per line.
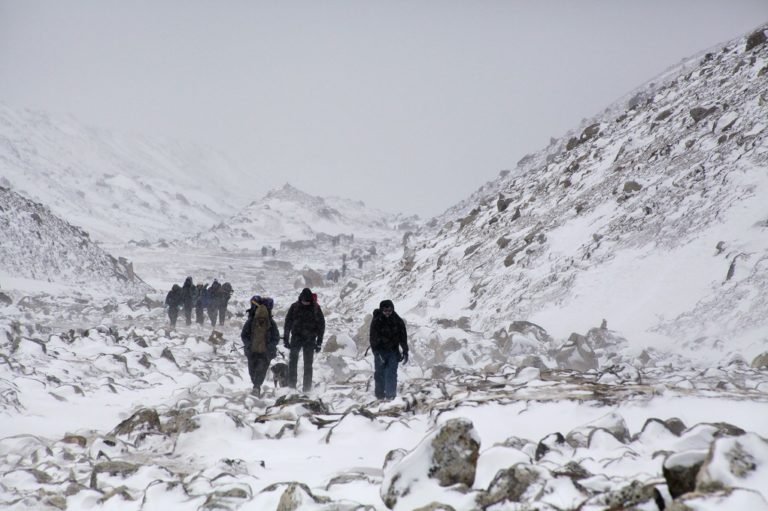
409 106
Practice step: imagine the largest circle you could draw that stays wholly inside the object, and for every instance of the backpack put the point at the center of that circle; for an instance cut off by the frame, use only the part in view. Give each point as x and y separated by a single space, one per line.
260 324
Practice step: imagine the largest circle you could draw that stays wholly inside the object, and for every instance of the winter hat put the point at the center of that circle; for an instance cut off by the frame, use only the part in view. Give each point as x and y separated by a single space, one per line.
386 304
306 295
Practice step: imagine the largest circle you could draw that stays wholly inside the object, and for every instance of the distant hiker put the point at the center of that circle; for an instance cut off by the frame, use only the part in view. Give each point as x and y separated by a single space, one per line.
200 291
173 300
303 332
389 344
274 252
260 338
360 262
264 251
222 299
211 303
188 299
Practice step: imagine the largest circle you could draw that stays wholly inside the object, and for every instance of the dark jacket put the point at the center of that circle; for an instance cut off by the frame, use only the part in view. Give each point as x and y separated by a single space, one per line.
174 298
273 337
388 333
304 323
188 292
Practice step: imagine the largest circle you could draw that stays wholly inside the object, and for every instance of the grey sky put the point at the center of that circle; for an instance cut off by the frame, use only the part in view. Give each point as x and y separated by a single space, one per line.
408 106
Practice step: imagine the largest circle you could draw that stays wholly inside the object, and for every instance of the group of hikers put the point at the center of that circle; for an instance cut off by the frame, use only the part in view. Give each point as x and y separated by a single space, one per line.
303 332
200 297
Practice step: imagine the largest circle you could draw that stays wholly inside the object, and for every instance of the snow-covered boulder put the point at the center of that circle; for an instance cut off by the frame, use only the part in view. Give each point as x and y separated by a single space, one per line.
577 354
611 422
736 462
445 458
680 470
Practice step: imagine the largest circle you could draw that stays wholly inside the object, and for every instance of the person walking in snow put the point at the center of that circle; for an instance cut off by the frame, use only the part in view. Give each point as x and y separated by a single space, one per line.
188 299
389 345
200 292
173 300
260 338
210 302
222 299
303 332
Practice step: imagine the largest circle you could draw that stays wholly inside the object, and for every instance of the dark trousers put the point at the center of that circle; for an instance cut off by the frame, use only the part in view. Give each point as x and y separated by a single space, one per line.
200 315
173 315
258 364
213 313
222 313
385 373
308 349
188 314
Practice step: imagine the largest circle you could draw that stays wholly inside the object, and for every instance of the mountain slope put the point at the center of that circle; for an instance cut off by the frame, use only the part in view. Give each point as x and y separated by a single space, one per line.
37 245
651 216
117 187
288 213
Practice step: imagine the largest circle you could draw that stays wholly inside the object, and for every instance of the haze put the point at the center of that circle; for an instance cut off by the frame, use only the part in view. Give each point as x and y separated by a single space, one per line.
408 106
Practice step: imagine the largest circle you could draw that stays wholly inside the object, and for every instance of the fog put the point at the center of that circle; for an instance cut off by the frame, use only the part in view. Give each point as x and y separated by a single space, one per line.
408 106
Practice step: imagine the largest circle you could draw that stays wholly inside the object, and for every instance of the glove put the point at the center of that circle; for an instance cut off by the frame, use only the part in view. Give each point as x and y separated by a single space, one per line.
318 346
404 357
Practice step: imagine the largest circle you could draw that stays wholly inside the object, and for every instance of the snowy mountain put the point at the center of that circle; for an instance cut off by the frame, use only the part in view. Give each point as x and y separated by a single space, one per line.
99 180
651 215
288 213
39 246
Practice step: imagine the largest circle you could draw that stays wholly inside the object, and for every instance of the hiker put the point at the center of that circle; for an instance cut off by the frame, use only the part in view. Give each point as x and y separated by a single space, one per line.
188 299
389 344
211 303
303 332
222 299
173 301
260 338
200 291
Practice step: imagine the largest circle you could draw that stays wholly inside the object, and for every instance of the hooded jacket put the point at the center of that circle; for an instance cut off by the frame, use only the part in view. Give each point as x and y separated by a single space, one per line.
388 333
305 323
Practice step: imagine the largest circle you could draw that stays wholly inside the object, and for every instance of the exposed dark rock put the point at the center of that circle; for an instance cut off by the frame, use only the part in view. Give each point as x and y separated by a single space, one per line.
113 468
168 355
632 187
144 421
455 450
509 485
680 471
5 299
548 443
698 113
755 39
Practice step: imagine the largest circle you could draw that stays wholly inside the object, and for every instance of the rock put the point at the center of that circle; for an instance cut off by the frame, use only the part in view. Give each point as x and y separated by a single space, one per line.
297 496
760 361
736 499
576 354
312 278
144 421
510 484
168 355
393 456
574 470
603 338
444 458
629 497
530 329
612 422
755 39
680 471
113 468
435 506
347 289
739 461
534 361
551 442
5 300
698 113
361 338
456 448
632 187
75 439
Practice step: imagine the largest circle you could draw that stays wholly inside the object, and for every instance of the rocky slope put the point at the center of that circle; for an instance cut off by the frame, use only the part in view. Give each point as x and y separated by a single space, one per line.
116 187
35 244
651 215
